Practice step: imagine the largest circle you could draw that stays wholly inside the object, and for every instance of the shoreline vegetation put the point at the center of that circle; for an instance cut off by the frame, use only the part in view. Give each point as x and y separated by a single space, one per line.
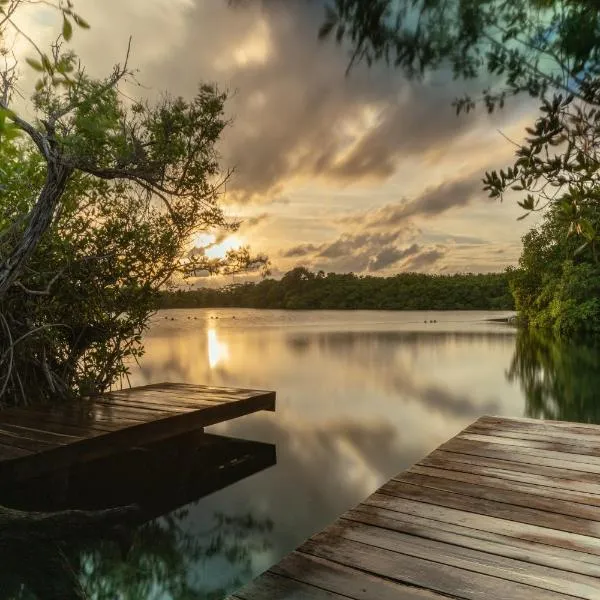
301 289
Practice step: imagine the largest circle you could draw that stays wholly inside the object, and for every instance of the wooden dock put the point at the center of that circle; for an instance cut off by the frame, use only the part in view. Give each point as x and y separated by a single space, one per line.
509 509
37 440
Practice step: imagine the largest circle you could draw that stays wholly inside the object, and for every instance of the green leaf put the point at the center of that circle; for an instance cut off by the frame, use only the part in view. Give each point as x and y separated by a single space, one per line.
67 29
81 22
46 64
34 64
587 229
325 29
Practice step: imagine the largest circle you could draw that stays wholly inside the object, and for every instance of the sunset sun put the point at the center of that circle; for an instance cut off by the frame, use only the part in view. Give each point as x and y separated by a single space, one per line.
214 249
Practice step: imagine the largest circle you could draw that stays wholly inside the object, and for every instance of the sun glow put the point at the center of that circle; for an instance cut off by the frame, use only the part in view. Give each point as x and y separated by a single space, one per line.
219 250
218 351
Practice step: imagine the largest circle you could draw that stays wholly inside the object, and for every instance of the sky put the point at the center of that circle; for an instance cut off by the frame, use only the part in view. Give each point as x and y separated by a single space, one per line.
367 172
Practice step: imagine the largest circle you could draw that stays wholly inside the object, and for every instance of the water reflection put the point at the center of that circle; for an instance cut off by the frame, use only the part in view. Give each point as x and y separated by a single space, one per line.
360 396
560 381
168 559
153 548
217 351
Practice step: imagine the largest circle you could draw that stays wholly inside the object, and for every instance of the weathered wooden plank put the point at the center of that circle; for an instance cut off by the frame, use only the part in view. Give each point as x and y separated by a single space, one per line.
36 439
426 573
203 391
477 539
276 587
559 479
480 489
445 508
344 580
507 430
469 559
150 402
38 434
506 509
535 457
189 395
574 448
140 405
74 417
527 447
538 424
168 397
496 509
483 477
14 440
22 417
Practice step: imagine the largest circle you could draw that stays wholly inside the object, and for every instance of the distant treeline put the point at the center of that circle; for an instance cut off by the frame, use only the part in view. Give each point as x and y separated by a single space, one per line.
303 289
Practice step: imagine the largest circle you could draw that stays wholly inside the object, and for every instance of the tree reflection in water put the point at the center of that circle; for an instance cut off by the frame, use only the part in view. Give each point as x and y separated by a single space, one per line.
160 558
145 556
560 380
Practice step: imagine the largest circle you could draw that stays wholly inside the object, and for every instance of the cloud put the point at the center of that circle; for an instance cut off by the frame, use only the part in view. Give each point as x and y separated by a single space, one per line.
432 201
366 252
254 221
346 244
438 199
295 115
390 255
424 260
300 250
300 129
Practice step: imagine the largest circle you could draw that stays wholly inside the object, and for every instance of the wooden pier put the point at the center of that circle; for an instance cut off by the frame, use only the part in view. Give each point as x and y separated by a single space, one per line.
38 440
509 509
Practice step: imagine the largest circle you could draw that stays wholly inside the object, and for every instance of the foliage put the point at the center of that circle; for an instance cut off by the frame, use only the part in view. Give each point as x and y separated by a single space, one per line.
560 380
557 284
158 559
530 46
303 289
162 556
558 167
544 48
99 199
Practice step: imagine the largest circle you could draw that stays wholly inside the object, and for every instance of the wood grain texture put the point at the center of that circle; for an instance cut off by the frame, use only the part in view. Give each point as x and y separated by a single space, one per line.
35 440
507 509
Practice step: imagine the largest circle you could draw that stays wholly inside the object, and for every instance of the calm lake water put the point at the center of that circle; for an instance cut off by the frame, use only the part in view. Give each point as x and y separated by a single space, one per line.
360 396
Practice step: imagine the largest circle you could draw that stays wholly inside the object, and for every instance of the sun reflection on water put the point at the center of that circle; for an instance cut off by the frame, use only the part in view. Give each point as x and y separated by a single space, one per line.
218 351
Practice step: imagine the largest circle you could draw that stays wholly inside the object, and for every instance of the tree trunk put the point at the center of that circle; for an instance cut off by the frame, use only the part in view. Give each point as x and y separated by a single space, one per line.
38 221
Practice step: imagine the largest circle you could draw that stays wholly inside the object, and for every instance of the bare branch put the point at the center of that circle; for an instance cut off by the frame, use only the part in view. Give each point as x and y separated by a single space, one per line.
45 292
38 139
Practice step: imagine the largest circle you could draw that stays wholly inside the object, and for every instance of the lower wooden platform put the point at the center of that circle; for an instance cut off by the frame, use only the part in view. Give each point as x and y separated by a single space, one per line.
37 440
144 476
509 509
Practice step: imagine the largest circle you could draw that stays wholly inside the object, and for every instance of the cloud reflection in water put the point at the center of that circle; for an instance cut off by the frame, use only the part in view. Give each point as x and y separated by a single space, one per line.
361 396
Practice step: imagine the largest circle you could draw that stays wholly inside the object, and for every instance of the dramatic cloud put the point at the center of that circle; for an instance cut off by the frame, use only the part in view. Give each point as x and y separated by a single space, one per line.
349 243
433 201
390 256
369 173
296 116
423 261
366 252
300 250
